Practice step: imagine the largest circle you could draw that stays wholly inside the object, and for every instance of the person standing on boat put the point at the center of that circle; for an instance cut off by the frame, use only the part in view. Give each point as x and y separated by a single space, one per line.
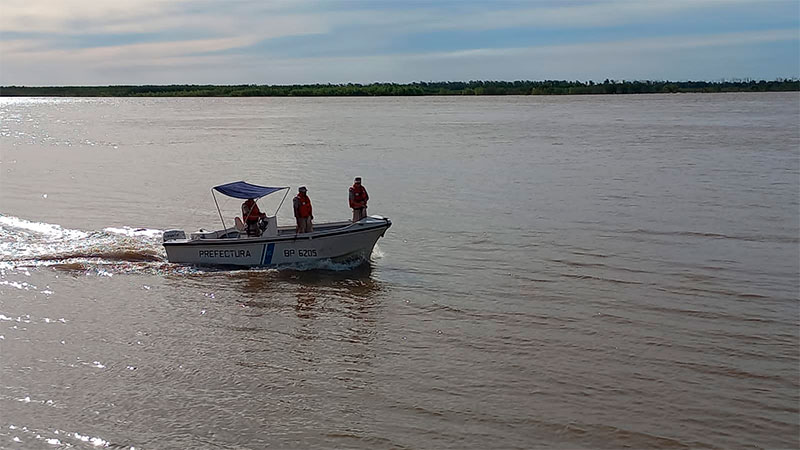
251 215
358 200
303 211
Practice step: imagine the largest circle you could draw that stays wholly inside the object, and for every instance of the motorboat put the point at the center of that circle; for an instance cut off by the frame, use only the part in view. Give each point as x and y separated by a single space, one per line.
272 245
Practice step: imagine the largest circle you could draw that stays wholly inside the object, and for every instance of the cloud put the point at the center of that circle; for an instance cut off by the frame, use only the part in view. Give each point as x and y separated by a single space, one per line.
82 32
32 60
58 19
628 46
61 16
710 56
590 14
252 41
655 58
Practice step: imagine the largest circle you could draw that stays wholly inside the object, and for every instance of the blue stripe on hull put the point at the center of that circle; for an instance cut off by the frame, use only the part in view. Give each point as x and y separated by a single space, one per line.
268 256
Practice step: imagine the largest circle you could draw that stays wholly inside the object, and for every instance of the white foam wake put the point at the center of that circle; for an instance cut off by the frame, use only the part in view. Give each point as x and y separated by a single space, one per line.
47 229
31 242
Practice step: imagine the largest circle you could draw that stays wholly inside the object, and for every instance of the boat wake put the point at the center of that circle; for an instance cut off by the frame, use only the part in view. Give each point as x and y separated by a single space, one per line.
25 243
326 265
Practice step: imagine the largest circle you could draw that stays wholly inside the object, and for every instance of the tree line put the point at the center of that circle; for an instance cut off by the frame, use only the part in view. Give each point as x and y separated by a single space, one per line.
547 87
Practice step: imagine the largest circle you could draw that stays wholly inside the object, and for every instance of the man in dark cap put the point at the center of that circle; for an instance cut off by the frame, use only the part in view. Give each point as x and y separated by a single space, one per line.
303 211
358 200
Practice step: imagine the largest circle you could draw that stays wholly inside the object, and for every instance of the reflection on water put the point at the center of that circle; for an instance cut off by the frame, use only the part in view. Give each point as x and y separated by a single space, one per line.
269 294
305 303
258 284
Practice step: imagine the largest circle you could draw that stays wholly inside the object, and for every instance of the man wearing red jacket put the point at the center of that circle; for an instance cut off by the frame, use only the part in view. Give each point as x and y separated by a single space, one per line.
251 216
358 200
303 211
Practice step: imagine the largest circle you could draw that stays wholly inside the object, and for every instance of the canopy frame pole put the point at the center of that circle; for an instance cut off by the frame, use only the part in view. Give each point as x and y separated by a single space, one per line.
282 200
218 210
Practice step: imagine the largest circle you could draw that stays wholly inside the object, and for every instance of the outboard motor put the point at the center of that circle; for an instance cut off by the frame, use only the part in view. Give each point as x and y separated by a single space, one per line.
268 226
262 224
173 235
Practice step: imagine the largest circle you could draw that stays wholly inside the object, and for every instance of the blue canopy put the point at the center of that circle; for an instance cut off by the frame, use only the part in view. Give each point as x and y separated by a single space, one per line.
240 189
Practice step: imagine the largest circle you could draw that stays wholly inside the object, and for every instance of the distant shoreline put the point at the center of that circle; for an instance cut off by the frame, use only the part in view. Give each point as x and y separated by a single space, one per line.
551 87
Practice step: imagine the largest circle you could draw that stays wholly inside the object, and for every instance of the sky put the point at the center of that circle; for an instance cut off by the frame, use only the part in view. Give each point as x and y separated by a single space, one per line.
114 42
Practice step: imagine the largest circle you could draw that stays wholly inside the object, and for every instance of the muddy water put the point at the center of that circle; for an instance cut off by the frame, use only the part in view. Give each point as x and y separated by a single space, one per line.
562 272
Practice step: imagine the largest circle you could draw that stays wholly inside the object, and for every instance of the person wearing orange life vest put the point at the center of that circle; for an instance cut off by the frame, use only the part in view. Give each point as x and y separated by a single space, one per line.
358 200
251 215
303 211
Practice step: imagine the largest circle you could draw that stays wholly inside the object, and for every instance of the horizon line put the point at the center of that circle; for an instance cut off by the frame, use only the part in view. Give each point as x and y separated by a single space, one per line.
609 80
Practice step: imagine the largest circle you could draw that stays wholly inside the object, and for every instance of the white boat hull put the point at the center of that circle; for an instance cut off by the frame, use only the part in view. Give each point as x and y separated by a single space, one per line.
341 241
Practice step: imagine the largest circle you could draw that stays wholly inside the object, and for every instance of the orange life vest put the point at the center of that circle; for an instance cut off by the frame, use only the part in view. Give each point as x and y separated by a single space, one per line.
250 211
304 210
359 197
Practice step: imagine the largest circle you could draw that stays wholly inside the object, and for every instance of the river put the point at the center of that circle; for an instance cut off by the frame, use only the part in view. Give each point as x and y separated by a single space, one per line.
562 272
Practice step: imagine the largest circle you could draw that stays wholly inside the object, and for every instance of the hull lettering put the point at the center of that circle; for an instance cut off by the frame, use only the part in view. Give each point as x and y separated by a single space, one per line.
224 253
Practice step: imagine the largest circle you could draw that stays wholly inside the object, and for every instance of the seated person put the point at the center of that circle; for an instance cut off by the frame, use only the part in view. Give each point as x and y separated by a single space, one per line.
251 215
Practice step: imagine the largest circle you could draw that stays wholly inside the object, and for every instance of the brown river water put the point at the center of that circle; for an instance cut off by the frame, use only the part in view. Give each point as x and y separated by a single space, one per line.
562 272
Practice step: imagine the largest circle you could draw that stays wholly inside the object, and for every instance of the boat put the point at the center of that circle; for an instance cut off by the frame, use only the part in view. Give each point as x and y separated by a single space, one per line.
272 245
